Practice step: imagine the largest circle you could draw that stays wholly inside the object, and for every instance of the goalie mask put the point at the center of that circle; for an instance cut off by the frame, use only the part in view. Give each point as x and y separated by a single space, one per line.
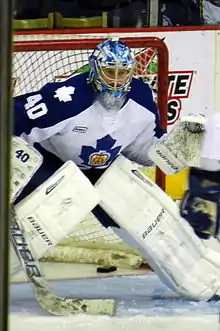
111 68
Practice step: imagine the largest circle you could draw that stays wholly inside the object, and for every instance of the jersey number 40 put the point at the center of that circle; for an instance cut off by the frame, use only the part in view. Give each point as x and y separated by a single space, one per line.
35 110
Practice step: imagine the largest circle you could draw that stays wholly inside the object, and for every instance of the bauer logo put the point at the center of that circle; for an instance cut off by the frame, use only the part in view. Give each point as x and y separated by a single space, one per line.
53 186
167 161
25 254
153 224
141 177
40 231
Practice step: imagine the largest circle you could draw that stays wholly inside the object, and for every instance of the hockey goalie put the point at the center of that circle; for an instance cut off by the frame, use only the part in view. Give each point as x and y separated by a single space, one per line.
102 121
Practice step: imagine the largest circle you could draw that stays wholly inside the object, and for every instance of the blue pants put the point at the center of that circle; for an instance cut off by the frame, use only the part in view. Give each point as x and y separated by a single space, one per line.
50 164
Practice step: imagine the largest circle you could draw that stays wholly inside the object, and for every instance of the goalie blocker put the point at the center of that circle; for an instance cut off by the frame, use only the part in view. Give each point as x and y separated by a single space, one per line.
181 147
149 220
192 142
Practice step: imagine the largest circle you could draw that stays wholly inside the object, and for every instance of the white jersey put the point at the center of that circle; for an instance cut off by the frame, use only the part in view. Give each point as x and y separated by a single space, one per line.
210 155
66 119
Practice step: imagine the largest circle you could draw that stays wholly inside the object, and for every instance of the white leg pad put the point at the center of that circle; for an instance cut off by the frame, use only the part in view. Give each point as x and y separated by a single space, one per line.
52 211
152 220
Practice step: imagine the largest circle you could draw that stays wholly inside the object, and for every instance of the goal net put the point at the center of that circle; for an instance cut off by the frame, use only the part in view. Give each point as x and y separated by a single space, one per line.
39 59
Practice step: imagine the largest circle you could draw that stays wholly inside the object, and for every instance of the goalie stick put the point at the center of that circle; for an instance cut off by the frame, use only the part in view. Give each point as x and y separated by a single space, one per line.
46 299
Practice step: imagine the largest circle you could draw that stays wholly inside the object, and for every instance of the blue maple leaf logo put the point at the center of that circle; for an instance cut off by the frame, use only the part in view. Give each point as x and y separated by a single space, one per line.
102 155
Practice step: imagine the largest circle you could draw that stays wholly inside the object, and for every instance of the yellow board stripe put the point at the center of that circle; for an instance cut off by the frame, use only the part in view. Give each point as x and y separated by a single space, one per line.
175 184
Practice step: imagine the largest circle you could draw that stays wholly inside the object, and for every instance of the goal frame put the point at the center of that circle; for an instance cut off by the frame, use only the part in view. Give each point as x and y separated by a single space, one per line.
86 41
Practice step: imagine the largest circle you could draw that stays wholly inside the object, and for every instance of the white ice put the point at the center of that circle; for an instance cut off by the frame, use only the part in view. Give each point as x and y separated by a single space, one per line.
144 303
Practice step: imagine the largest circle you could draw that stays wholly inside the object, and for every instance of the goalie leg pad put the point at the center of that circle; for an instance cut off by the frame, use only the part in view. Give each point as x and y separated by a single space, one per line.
51 212
156 229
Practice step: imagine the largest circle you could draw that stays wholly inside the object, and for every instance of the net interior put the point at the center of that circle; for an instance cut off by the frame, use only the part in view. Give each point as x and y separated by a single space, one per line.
35 64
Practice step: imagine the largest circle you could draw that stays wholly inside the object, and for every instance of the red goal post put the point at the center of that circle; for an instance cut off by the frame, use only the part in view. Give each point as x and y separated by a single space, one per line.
43 57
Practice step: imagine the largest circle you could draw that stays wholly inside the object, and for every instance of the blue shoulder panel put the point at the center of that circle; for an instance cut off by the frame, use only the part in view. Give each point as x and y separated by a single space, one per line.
63 100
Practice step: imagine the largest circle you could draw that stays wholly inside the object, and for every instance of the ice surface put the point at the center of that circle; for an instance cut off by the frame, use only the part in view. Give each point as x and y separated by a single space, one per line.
144 303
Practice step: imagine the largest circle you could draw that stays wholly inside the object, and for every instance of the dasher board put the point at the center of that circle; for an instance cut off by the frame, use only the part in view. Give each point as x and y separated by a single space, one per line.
61 271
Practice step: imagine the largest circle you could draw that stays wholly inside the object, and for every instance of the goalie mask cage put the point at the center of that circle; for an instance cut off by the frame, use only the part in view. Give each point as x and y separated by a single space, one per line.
41 58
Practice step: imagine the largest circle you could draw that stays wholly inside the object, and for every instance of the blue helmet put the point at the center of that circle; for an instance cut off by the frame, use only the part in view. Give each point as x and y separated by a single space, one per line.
111 67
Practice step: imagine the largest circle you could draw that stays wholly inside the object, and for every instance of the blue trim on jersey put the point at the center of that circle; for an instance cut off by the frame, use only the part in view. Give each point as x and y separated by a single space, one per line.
142 94
82 98
58 111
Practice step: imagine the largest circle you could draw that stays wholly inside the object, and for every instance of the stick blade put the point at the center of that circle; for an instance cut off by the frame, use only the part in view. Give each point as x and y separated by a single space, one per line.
67 307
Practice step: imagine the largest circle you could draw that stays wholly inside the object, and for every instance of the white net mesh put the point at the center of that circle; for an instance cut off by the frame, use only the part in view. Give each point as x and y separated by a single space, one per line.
32 70
90 242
